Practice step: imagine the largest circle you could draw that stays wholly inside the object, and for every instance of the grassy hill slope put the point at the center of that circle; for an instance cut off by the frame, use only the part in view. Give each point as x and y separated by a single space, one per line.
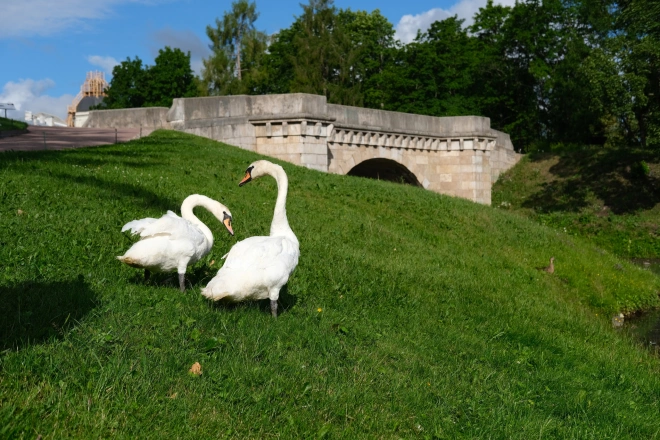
609 195
7 124
410 315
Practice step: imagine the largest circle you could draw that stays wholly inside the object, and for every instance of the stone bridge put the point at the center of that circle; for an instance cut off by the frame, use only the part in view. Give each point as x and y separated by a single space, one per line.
459 156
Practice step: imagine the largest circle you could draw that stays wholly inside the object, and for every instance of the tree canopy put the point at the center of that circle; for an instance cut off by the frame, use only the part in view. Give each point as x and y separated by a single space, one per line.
135 85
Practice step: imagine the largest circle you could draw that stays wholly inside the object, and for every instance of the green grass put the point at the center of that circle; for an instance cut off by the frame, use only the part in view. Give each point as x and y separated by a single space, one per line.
410 315
11 124
611 196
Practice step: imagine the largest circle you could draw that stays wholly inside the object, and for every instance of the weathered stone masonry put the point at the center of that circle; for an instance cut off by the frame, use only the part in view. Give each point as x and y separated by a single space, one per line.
459 156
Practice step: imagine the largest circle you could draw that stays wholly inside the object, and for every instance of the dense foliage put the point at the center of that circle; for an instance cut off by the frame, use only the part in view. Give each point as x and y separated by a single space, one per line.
135 85
545 71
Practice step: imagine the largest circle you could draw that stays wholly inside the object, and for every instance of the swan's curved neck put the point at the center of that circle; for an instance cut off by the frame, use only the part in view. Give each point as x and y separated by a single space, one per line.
187 212
280 224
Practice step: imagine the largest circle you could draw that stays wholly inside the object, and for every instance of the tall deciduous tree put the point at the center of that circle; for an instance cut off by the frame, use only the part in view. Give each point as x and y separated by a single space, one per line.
238 49
170 77
433 74
372 35
325 55
128 87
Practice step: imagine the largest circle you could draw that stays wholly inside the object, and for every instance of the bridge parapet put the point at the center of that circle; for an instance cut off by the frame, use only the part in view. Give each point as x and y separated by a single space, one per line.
412 141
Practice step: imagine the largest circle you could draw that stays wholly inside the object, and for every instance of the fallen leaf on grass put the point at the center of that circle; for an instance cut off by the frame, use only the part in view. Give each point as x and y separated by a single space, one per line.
173 396
196 369
19 212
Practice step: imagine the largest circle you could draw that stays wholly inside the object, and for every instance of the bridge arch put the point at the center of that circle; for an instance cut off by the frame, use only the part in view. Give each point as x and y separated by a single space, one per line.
384 169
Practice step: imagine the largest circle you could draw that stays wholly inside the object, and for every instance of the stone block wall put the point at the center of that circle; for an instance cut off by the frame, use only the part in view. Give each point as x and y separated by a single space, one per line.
298 140
148 117
459 156
454 166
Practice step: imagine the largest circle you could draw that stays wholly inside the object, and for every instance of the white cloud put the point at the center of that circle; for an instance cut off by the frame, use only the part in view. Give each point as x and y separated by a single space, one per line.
27 18
406 29
105 63
408 25
186 40
28 94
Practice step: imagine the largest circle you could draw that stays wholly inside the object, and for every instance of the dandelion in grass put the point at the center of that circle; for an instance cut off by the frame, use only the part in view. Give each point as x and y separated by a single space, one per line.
319 310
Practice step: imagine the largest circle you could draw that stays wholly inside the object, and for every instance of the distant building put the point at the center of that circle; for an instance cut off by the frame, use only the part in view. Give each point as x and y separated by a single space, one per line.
91 93
44 119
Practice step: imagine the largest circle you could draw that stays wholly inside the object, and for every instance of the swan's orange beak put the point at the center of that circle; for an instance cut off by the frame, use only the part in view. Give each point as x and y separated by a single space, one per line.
246 179
248 176
227 223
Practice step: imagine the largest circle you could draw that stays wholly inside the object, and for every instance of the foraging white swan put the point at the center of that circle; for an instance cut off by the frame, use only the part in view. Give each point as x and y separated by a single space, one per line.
172 242
258 267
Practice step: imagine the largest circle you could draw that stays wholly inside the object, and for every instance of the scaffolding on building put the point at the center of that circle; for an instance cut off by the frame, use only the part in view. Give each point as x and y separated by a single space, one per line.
94 86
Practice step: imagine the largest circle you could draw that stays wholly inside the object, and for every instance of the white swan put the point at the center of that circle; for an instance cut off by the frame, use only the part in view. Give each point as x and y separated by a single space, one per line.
258 267
172 242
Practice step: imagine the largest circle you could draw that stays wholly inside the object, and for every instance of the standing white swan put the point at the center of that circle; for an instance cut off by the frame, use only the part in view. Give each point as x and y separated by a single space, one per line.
258 267
172 242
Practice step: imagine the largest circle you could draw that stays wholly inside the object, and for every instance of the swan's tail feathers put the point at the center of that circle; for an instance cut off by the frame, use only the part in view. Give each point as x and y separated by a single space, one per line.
129 261
213 295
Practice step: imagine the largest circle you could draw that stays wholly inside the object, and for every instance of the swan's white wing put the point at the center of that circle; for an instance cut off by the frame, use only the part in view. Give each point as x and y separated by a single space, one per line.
173 226
259 253
137 226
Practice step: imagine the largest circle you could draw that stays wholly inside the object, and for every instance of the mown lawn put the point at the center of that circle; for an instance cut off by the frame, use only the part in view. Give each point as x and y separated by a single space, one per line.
410 315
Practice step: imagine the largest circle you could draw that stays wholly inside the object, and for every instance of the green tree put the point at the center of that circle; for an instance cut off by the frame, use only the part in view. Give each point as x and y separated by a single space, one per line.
170 77
373 35
433 75
237 51
128 86
325 56
277 70
640 60
529 79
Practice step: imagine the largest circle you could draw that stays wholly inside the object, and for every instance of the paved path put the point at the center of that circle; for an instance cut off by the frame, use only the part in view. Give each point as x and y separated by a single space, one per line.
60 138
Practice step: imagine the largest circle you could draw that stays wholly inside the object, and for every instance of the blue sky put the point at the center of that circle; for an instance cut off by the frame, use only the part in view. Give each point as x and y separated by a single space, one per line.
49 45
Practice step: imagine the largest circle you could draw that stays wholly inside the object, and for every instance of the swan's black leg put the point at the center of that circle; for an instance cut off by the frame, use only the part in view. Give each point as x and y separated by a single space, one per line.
182 282
273 307
147 274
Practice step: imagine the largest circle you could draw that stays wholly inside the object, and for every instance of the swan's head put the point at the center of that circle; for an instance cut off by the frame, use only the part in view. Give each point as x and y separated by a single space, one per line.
226 220
258 169
224 215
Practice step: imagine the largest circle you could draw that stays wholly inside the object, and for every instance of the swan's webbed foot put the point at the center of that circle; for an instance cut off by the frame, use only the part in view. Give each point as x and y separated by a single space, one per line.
182 282
273 307
147 274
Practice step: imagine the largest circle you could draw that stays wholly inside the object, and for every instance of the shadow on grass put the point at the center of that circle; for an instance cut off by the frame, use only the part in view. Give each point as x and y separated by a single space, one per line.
111 189
200 277
195 277
123 160
33 312
285 303
612 175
